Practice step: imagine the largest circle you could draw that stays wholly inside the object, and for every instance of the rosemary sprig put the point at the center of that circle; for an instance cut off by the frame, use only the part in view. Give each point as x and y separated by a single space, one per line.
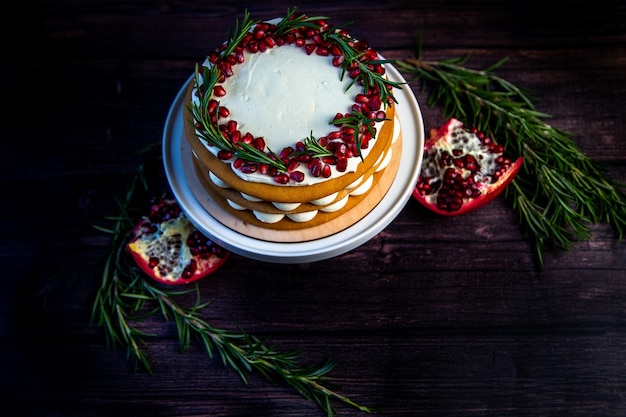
290 22
125 298
560 192
356 121
314 148
370 79
237 33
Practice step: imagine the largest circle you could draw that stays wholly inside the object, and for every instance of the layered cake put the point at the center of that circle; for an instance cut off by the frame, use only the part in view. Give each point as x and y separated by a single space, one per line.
292 124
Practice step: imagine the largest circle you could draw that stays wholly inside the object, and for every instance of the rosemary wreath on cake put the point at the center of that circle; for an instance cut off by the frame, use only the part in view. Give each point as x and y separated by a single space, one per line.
354 59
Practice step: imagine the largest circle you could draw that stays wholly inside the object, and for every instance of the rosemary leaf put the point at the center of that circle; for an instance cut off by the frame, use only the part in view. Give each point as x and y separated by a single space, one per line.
290 21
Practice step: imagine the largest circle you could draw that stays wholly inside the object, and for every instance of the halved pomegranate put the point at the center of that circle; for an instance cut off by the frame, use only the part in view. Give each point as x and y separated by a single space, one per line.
168 247
462 170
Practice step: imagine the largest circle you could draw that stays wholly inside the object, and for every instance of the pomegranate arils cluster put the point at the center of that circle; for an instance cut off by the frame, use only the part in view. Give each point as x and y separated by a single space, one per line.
460 166
168 248
341 143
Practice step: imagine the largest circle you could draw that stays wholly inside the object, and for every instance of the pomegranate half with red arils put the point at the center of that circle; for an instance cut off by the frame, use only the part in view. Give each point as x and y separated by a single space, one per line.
462 170
168 248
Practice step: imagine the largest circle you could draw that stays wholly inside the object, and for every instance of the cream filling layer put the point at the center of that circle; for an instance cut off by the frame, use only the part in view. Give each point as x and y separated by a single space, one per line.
358 187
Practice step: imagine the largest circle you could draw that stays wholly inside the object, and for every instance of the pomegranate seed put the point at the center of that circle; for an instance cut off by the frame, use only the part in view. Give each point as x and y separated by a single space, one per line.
375 102
297 176
224 112
281 178
235 137
252 47
347 131
212 107
342 164
362 98
190 269
341 150
269 42
322 51
226 68
259 142
292 165
336 51
338 60
238 163
286 152
334 135
248 168
331 160
365 143
247 138
315 166
153 262
219 91
224 155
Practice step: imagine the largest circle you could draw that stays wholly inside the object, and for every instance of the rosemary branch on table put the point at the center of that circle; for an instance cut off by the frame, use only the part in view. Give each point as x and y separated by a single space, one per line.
560 192
126 297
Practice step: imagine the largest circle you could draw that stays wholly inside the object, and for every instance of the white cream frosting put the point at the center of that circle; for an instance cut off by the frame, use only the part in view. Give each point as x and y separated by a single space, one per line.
302 217
336 206
363 188
218 181
286 206
281 96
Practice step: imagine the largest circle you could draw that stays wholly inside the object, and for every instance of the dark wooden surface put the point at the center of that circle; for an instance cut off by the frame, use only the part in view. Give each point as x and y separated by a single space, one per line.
431 317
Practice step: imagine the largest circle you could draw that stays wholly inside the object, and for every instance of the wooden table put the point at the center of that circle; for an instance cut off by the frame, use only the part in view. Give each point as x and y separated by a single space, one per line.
431 317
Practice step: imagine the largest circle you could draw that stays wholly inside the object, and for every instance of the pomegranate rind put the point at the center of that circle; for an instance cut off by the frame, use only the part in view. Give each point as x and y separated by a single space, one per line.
152 235
489 192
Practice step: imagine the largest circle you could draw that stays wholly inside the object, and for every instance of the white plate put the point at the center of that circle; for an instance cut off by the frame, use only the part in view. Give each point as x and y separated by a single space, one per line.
177 155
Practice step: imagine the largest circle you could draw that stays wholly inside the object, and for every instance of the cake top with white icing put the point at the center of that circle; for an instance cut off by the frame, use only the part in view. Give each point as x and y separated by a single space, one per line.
284 98
290 101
